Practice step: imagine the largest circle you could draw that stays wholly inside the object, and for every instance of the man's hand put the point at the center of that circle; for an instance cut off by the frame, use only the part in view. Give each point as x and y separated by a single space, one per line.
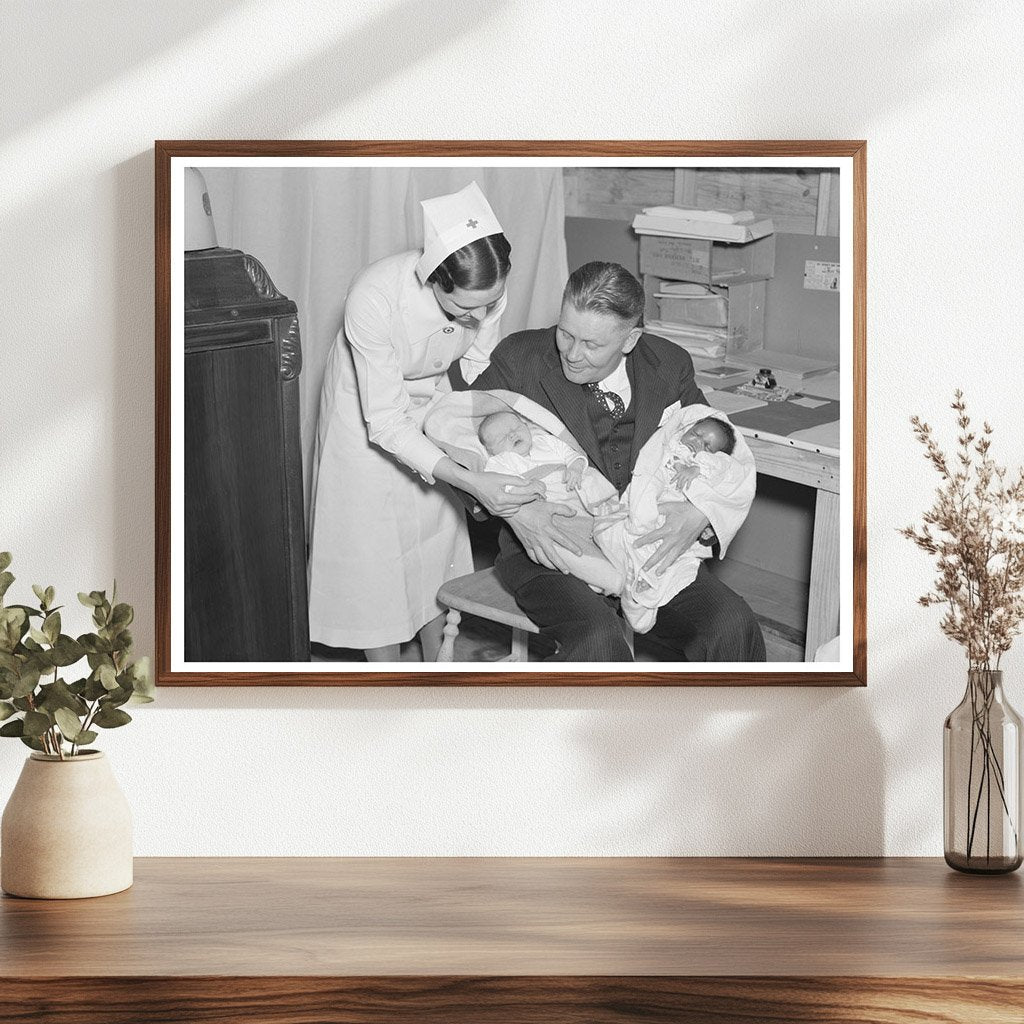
539 528
501 494
683 525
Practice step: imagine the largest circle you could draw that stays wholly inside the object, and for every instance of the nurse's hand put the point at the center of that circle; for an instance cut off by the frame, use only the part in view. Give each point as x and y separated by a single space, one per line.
502 494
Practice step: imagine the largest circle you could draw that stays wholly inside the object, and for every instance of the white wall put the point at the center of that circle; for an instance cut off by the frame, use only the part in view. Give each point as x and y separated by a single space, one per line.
936 88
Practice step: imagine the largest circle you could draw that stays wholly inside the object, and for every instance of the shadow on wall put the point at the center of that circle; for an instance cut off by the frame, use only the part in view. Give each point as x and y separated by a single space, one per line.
729 772
396 38
834 44
89 29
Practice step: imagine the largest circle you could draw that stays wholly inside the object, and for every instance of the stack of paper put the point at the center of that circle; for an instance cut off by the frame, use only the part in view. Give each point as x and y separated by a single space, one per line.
698 341
713 224
723 376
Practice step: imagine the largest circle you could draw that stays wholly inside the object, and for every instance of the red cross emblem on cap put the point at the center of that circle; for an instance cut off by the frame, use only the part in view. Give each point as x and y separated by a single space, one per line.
471 223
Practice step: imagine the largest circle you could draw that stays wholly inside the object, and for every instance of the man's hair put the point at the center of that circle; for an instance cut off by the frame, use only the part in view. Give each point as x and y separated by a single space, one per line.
475 267
727 428
606 288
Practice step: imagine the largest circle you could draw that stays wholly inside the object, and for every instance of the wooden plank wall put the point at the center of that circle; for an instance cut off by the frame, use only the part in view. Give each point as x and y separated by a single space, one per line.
790 198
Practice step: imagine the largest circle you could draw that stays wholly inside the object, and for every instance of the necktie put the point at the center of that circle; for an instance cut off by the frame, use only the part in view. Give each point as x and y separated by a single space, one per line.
609 401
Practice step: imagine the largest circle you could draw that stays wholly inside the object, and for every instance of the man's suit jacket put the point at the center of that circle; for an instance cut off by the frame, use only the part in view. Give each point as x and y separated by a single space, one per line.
660 374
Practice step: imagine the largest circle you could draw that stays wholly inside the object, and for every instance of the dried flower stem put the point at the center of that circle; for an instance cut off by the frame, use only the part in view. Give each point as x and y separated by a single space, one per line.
975 530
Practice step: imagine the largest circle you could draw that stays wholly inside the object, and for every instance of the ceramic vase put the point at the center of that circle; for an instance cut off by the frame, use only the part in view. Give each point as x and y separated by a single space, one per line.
981 775
66 831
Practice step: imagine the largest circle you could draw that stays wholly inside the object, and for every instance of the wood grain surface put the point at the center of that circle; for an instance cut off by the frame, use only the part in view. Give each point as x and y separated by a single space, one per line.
523 939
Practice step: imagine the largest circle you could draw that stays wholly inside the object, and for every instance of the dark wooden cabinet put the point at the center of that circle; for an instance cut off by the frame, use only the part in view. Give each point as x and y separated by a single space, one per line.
245 565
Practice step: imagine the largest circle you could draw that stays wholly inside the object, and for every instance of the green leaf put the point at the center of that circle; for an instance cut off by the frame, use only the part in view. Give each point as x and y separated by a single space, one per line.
36 723
31 741
122 616
86 736
69 724
94 645
28 610
115 698
67 651
6 710
59 695
107 676
51 626
15 728
40 592
5 559
38 635
27 681
6 579
94 689
13 623
142 681
22 703
89 600
49 595
110 718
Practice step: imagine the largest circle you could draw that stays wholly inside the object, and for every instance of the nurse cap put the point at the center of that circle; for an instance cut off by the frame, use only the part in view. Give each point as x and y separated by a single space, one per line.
452 221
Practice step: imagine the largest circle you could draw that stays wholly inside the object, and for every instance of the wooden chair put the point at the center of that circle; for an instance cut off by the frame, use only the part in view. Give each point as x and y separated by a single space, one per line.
483 594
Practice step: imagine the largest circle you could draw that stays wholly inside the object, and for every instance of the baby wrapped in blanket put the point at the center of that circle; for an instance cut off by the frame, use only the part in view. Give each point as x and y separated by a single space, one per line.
520 448
692 456
529 441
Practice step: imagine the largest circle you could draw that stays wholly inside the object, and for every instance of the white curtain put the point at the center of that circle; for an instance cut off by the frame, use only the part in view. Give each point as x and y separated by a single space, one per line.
315 228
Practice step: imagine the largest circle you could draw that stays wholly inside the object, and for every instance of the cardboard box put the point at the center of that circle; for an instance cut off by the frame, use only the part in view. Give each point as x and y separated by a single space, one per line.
707 262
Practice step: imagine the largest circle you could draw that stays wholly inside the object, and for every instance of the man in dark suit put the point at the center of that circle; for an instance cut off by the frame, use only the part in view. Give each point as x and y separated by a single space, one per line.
599 340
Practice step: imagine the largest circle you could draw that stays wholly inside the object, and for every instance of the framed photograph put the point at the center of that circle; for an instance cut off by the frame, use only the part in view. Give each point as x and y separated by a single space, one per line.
510 413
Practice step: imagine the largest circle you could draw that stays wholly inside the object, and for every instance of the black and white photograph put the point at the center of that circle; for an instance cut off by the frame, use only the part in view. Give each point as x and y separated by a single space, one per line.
575 419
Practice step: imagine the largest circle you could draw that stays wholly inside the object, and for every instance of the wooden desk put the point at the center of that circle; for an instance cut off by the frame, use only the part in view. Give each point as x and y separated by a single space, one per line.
778 457
819 470
499 941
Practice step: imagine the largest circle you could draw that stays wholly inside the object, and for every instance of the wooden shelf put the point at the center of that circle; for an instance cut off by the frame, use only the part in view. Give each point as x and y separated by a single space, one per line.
573 941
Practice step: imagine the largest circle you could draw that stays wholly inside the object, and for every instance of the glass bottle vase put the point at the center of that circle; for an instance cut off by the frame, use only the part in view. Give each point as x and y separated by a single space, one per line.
981 747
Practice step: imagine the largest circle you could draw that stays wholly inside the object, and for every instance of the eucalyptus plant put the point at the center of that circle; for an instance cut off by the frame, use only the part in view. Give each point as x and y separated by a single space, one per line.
46 712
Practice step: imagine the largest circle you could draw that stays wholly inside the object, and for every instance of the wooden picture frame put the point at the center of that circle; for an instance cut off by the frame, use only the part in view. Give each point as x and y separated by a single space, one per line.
832 176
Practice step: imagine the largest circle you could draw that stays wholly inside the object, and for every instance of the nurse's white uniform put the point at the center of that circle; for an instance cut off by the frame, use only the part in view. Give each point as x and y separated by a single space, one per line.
384 536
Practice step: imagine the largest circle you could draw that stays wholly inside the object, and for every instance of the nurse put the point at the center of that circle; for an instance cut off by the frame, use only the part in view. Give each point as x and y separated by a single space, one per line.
386 531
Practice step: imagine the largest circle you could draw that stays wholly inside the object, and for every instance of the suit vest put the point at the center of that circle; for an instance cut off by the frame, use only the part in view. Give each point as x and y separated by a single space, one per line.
615 440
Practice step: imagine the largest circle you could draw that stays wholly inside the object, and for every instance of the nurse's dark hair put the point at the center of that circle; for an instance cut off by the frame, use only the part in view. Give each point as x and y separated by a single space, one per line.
606 288
475 267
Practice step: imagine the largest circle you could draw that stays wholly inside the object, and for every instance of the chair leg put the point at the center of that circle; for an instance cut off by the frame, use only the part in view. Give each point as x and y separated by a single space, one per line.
520 645
446 652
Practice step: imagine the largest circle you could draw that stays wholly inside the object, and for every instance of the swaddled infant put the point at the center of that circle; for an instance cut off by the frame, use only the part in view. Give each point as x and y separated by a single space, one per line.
704 450
517 447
